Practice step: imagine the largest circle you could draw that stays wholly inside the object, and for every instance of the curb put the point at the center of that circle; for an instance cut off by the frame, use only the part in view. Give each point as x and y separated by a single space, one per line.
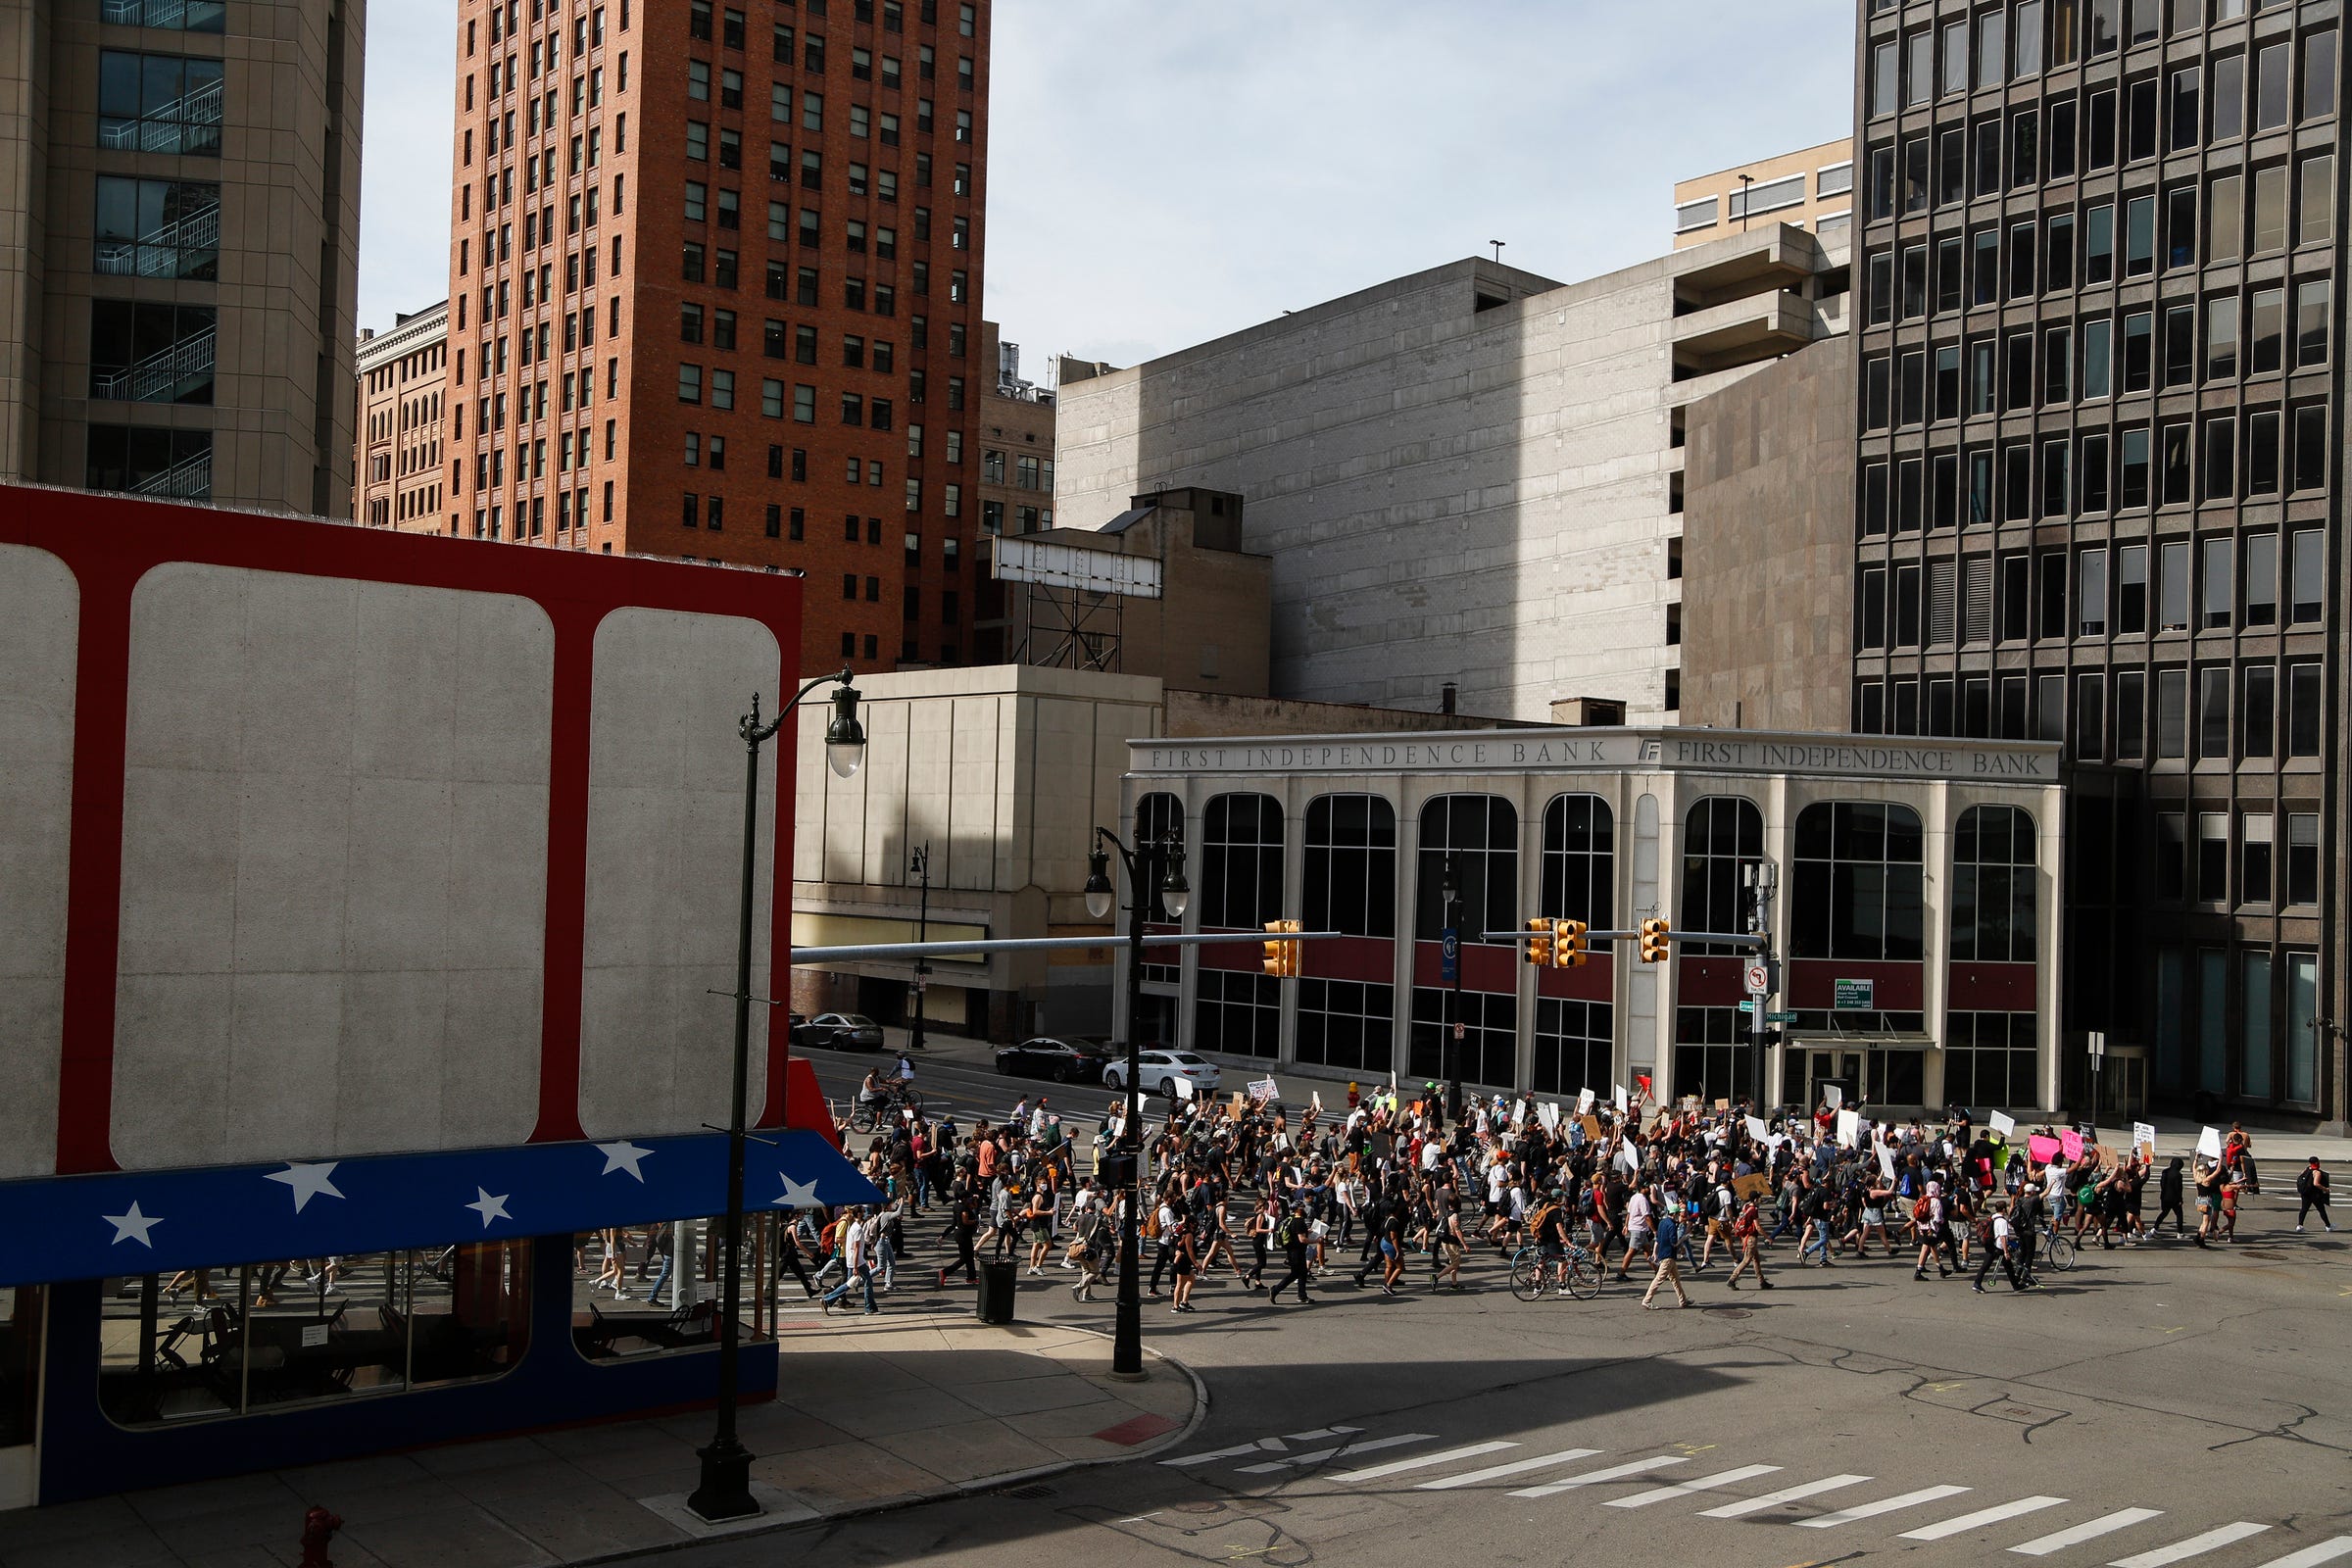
960 1488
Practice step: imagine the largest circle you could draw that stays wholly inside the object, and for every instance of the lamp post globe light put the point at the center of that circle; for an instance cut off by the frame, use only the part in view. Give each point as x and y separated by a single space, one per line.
1163 856
725 1489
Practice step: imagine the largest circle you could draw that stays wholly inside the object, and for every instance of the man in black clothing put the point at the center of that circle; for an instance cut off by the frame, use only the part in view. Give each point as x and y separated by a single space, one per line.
2169 1196
1291 1232
2312 1187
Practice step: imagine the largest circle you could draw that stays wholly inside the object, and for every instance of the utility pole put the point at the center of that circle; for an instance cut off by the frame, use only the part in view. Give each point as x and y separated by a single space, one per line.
1760 878
921 866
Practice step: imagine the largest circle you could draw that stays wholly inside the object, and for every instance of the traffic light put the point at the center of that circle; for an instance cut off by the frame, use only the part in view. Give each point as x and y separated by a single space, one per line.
1282 957
1654 939
1539 945
1568 949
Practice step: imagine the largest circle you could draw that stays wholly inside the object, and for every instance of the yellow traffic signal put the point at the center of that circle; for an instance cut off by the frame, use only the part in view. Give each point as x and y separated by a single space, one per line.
1568 949
1282 957
1539 945
1655 937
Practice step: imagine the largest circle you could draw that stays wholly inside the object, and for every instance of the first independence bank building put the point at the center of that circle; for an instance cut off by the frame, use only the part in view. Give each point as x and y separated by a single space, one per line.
1917 902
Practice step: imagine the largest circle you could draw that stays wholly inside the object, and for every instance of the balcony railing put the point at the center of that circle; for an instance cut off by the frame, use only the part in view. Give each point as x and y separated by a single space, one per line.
162 253
191 121
164 376
188 479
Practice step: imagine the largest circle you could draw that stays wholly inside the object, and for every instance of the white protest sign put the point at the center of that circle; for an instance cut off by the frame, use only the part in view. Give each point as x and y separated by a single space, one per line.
2209 1143
2005 1125
1833 1095
1518 1113
1850 1128
1627 1157
1184 1088
1620 1097
1548 1114
2144 1135
1886 1163
1757 1130
1583 1102
1262 1090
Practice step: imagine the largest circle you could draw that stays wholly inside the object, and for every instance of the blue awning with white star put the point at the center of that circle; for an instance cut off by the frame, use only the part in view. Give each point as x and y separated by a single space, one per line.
145 1222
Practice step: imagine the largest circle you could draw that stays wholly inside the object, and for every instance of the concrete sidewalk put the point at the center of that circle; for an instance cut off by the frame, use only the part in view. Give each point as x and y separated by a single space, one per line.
869 1416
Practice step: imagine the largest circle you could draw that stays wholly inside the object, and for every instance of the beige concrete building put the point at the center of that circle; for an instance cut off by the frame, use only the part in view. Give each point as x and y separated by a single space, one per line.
1810 190
402 385
1164 589
178 247
1472 474
1002 774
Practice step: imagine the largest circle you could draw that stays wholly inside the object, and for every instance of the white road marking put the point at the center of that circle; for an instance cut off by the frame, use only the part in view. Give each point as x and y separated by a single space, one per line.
1261 1446
1684 1489
1541 1461
1773 1499
1980 1518
1594 1478
1318 1455
1871 1510
2089 1529
2193 1547
1399 1466
2312 1556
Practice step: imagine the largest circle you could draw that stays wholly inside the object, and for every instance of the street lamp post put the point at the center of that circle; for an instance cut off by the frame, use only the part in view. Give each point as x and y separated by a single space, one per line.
1164 856
1450 891
921 866
724 1488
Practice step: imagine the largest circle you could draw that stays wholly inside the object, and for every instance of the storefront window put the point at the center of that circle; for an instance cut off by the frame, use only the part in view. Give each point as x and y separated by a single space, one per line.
1575 1047
229 1340
1481 835
1156 816
1346 1024
1579 860
1352 865
1712 1048
1860 882
1990 1061
19 1369
1241 861
655 1288
1992 885
1721 835
1489 1052
1237 1012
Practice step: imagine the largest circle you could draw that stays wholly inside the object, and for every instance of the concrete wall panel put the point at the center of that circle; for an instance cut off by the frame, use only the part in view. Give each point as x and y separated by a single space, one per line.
40 614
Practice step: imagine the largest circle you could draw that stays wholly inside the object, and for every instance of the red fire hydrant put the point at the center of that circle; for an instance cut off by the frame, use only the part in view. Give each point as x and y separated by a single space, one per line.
319 1528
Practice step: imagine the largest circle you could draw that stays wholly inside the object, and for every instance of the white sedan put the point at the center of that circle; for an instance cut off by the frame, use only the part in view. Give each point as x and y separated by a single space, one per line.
1158 1071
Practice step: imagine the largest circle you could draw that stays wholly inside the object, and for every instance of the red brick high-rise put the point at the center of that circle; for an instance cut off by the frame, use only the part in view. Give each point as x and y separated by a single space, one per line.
715 293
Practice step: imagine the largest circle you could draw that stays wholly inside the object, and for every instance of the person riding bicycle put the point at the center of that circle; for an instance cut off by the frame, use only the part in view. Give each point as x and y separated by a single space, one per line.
876 1091
1547 1228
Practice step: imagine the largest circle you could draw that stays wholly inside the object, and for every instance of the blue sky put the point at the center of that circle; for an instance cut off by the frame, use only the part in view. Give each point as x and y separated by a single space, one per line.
1162 173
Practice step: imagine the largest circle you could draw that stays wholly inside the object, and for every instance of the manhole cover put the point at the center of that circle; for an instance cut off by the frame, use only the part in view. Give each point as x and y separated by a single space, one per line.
1732 1311
1030 1493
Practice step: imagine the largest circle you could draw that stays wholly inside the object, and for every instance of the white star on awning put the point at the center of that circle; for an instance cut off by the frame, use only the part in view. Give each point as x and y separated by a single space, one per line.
797 1194
623 1156
308 1180
133 1226
489 1207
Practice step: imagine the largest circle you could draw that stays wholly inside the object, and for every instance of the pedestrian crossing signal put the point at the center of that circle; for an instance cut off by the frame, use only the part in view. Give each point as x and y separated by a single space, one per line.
1538 945
1655 938
1568 944
1282 957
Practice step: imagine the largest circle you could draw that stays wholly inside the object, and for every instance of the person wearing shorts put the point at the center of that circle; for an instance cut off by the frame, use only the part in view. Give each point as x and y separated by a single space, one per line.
1186 1260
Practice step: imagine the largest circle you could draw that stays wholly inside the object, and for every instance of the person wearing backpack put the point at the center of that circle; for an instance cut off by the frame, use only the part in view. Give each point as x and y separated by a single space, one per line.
964 1205
1291 1231
1668 1229
1748 1230
2312 1187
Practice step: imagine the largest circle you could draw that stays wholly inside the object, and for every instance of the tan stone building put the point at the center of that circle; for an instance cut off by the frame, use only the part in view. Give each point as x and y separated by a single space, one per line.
178 247
1810 190
402 388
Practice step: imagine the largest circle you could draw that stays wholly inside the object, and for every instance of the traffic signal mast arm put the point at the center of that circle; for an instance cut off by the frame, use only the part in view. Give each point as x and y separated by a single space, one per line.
1741 939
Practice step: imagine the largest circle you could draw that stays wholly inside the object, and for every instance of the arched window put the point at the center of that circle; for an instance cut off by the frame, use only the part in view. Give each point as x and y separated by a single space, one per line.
1156 815
1858 882
1481 834
1992 885
1241 860
1579 864
1351 865
1721 835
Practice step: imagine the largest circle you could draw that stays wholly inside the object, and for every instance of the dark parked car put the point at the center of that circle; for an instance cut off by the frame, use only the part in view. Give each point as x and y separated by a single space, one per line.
1065 1059
843 1031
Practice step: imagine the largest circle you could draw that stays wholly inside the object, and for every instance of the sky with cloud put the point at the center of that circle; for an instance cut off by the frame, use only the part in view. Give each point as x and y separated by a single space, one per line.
1164 174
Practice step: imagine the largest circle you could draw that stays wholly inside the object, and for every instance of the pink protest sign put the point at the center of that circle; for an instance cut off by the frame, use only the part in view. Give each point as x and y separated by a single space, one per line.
2042 1150
2070 1144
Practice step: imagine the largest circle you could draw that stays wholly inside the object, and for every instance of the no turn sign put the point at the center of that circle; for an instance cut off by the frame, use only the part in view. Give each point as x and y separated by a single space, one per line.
1760 980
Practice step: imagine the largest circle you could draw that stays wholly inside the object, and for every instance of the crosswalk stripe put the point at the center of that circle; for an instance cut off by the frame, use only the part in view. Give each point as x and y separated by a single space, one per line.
2089 1529
1594 1478
1318 1455
1261 1446
1684 1489
1541 1461
2193 1547
2312 1556
1399 1466
1773 1499
1980 1518
1871 1510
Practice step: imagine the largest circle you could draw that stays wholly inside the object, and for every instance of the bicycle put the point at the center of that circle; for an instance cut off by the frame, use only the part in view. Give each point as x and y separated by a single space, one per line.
1577 1273
2057 1247
865 1115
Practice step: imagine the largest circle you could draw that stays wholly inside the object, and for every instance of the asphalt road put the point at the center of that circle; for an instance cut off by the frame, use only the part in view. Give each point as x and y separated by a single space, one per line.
2154 1405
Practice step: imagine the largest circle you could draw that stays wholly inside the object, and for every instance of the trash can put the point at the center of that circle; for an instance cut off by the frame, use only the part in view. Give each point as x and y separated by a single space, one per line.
995 1291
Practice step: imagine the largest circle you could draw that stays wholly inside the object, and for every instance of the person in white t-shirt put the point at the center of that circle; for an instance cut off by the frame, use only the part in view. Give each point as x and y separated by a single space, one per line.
856 1255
